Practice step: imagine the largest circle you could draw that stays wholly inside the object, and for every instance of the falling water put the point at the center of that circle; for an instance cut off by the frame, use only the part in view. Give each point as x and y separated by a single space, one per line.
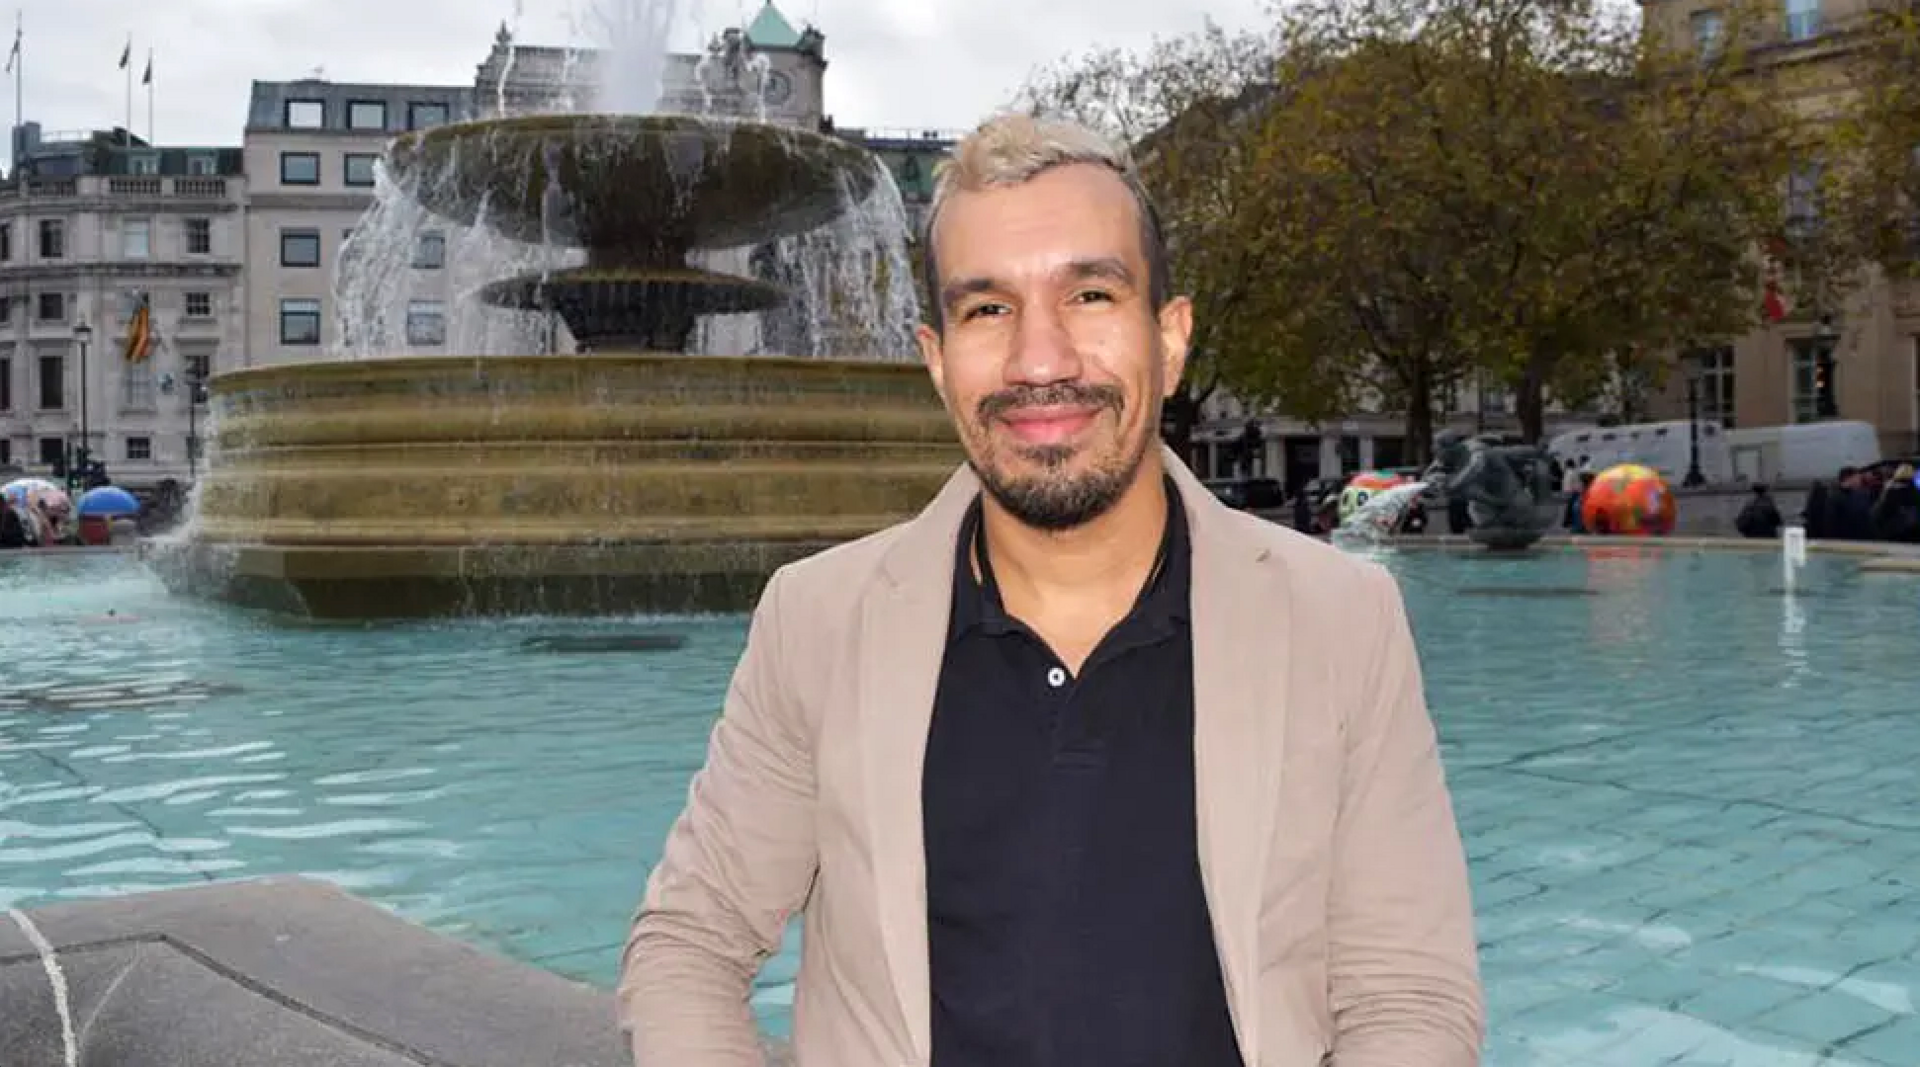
57 978
852 295
1378 519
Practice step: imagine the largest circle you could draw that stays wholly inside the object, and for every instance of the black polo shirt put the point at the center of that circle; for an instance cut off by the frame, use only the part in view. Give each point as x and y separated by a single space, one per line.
1066 920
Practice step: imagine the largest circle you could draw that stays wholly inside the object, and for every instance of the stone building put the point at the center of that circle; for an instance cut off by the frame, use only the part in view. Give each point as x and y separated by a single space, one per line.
1773 375
91 225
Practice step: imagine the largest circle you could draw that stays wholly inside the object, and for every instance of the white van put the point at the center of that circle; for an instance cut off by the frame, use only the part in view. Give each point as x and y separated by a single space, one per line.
1664 446
1802 452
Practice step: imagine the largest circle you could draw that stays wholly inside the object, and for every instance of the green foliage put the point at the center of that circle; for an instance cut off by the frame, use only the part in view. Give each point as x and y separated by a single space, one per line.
1383 199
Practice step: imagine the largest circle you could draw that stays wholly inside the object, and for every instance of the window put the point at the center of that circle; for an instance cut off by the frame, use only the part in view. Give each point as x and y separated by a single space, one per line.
136 238
52 450
1803 19
6 452
1716 385
1803 198
426 323
136 383
53 383
139 448
1809 378
299 168
306 114
202 166
1709 32
199 237
6 241
53 239
6 310
299 322
199 305
359 168
199 366
6 383
144 165
426 116
431 252
52 307
366 115
299 248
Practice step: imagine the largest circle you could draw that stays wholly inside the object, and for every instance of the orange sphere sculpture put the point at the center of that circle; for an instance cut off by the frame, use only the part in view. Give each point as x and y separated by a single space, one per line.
1629 500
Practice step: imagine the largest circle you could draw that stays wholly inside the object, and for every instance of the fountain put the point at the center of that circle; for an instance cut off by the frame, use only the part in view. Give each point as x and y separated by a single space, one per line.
633 476
1507 489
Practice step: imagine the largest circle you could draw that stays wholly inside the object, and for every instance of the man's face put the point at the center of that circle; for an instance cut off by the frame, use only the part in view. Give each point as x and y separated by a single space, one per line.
1053 361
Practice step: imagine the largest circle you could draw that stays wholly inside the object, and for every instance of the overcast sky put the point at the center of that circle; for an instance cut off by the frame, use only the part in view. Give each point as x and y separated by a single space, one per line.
892 63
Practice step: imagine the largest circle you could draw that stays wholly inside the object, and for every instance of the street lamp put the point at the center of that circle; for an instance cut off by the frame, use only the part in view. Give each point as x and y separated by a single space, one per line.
1826 338
1695 372
83 336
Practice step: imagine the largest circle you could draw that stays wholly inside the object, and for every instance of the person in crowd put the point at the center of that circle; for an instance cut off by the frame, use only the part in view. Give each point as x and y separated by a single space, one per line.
1896 515
1760 518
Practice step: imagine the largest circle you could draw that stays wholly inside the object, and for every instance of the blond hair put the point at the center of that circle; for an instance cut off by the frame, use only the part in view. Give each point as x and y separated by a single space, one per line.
1015 148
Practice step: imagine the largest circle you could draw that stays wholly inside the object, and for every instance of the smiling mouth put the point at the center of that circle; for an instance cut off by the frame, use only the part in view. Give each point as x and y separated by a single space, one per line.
1051 424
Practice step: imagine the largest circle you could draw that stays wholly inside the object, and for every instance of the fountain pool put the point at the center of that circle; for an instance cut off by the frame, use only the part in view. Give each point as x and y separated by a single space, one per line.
1687 798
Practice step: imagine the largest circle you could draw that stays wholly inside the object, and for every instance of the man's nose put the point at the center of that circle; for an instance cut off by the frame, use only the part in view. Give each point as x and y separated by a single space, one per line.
1043 349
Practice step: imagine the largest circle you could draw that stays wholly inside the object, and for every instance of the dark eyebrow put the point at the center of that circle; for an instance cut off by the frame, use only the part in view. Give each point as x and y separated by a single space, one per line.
961 288
1104 268
1101 268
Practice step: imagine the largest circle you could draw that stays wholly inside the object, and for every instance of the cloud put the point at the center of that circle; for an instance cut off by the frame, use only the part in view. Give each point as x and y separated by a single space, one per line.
935 64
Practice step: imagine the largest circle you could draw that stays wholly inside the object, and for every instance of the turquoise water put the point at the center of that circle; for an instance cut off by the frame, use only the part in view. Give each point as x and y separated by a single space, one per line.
1689 801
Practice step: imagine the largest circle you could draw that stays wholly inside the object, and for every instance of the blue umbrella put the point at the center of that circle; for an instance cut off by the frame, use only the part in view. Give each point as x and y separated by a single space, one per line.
108 501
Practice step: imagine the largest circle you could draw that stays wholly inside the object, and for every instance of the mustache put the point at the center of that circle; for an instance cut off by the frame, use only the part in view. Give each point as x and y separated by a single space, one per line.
1059 394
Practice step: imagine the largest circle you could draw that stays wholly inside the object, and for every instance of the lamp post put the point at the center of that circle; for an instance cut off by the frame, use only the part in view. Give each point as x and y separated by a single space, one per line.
196 396
83 457
1826 339
1695 372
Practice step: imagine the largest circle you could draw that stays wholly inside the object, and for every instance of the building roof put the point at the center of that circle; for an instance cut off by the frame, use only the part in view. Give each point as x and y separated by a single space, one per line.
770 29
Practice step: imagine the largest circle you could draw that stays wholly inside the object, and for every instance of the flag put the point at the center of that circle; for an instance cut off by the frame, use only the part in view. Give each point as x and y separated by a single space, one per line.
147 78
126 54
1773 305
139 344
19 30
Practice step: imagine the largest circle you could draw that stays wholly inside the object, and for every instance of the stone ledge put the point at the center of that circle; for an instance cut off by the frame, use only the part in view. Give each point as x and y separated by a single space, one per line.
287 971
1878 556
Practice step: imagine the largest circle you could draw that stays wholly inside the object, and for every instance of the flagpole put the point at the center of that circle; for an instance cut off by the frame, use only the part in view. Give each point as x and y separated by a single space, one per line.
128 67
148 78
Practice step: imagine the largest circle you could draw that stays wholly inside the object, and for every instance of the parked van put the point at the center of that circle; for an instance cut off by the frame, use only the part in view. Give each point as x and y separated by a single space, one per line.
1802 452
1664 446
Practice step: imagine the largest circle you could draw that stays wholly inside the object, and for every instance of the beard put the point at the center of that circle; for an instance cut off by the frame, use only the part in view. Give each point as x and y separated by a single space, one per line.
1056 497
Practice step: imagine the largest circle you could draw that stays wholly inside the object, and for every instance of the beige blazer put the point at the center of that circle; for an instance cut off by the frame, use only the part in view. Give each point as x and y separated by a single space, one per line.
1329 852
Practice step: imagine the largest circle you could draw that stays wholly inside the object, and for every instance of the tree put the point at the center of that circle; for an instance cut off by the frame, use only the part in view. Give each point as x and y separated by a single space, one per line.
1873 194
1182 107
1521 188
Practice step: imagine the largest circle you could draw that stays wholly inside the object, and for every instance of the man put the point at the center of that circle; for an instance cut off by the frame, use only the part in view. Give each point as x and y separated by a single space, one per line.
1079 768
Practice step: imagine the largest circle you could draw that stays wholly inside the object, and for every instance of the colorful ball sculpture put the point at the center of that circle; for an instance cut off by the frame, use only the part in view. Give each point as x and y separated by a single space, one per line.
1629 500
1362 488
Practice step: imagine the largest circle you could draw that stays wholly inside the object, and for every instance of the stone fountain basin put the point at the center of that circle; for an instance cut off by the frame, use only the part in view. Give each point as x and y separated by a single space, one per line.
632 188
566 485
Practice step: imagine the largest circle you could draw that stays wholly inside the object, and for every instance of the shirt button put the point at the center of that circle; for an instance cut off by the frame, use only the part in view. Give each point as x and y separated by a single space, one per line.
1057 677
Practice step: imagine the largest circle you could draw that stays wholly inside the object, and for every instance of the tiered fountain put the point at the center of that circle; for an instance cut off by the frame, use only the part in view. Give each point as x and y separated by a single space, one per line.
631 478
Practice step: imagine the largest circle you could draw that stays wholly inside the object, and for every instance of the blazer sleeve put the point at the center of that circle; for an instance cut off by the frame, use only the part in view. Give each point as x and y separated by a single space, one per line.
1402 962
738 862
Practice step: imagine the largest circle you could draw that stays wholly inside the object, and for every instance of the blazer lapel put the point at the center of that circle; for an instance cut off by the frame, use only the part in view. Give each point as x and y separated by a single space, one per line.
1240 670
902 642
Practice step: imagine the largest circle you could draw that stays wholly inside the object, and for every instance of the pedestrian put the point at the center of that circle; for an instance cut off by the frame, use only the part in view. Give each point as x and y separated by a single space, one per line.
1079 768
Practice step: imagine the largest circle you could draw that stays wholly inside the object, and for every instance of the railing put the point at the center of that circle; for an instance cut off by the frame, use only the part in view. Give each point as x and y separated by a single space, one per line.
197 188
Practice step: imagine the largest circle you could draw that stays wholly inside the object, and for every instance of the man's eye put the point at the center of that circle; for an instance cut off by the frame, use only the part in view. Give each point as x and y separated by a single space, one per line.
982 310
1093 296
